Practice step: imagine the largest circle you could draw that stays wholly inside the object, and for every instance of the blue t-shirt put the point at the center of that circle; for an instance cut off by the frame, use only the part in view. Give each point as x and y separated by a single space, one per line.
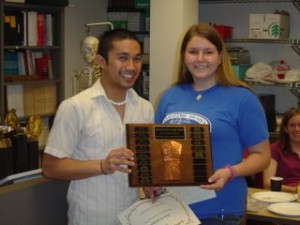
236 120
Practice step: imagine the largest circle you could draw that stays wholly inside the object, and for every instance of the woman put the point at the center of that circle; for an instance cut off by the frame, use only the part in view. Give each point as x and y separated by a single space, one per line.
285 153
207 91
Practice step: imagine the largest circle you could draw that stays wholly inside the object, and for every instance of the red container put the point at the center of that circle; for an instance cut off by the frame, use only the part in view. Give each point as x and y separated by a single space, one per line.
224 31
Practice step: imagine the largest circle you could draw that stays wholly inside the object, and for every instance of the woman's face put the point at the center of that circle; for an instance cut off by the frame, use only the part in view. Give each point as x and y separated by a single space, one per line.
202 60
293 129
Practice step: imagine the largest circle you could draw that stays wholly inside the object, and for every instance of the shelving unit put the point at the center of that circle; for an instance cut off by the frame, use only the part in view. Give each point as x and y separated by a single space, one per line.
295 43
55 51
294 88
295 2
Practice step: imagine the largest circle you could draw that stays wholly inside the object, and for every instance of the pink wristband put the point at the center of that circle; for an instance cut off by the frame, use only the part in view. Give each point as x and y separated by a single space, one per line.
231 171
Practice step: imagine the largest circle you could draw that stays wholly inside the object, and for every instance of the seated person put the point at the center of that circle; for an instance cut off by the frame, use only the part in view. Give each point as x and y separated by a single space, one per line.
285 152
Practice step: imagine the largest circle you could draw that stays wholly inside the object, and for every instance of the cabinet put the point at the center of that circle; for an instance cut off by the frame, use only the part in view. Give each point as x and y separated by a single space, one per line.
31 58
261 50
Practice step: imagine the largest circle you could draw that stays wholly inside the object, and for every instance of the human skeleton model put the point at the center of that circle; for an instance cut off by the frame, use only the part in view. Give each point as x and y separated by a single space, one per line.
87 75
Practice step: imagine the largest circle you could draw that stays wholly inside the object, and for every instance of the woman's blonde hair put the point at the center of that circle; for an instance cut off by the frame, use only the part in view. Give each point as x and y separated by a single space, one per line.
225 73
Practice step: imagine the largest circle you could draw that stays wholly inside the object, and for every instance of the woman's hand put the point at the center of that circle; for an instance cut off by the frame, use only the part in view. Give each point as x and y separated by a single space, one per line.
218 179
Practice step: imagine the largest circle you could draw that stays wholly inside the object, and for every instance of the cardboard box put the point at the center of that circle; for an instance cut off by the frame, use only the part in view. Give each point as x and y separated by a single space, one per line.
269 26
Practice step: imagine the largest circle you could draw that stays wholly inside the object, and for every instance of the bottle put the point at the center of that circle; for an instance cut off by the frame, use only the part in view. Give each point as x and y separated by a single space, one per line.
298 191
281 68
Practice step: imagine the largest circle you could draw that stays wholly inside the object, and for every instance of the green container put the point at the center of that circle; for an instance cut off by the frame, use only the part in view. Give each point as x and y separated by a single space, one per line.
240 70
143 4
120 24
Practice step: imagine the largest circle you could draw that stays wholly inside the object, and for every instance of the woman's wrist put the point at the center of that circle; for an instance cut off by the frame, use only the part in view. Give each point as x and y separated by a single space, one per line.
231 171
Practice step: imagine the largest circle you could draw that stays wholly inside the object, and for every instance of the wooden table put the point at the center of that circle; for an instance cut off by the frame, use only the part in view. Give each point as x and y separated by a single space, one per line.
261 213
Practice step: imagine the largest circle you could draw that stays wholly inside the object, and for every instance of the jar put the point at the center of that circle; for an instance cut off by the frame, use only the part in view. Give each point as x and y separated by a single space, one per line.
281 68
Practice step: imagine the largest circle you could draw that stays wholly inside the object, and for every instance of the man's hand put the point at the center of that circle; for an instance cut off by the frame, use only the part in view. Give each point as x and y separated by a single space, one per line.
118 160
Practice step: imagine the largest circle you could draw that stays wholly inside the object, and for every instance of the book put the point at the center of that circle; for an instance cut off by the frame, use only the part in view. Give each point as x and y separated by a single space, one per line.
33 154
26 62
55 29
14 99
13 28
11 63
20 152
29 61
50 66
41 68
40 100
35 55
6 158
21 63
49 29
32 28
41 29
25 21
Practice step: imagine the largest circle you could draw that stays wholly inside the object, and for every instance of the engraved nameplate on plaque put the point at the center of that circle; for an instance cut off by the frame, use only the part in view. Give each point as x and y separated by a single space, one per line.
169 154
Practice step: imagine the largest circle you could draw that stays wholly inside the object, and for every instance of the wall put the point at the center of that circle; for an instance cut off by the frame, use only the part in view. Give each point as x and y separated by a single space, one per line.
169 21
220 14
77 14
162 70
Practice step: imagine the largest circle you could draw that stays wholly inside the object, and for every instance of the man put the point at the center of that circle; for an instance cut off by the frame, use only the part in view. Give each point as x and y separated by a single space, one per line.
87 142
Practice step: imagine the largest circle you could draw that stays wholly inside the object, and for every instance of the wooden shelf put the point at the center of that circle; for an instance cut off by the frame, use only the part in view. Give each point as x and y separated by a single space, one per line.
54 50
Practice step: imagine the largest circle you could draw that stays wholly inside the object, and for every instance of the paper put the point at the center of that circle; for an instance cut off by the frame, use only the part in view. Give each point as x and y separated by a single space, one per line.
192 194
167 209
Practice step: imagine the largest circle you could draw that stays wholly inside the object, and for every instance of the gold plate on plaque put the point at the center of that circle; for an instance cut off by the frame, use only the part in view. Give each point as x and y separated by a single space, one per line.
169 154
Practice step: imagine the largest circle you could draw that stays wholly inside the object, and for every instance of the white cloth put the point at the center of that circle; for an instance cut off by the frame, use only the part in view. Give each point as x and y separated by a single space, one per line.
87 127
261 73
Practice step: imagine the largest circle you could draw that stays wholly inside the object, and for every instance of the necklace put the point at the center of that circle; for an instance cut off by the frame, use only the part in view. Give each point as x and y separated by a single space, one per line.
199 96
118 103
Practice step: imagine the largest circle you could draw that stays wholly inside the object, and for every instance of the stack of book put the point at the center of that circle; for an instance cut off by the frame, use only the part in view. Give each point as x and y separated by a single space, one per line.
133 20
28 62
11 66
30 100
39 100
29 28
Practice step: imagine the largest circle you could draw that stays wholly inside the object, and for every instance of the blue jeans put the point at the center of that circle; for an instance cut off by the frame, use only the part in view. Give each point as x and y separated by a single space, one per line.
222 220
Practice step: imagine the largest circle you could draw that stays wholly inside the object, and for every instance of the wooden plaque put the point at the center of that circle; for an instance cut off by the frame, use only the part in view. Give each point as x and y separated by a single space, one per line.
169 154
